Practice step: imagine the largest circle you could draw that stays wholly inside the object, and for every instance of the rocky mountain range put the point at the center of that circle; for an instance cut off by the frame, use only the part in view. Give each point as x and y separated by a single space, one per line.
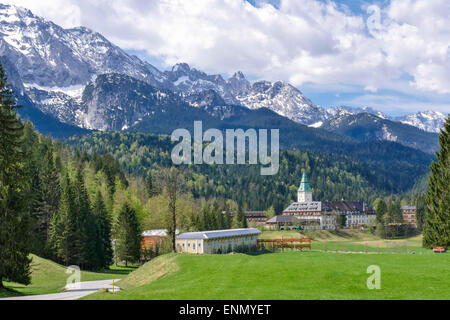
365 127
67 74
431 121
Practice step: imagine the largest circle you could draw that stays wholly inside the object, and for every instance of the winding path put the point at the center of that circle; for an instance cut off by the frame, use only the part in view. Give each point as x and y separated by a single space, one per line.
72 291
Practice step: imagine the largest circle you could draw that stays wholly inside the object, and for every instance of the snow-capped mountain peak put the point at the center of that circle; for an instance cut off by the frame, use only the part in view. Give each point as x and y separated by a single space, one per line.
48 55
346 110
182 68
431 121
238 76
284 99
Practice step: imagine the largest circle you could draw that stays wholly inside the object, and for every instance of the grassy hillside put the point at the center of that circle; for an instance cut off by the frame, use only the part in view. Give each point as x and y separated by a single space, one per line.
290 275
50 277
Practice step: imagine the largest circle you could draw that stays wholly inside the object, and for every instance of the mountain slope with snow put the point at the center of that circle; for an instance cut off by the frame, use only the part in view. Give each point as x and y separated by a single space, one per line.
285 100
431 121
366 127
47 55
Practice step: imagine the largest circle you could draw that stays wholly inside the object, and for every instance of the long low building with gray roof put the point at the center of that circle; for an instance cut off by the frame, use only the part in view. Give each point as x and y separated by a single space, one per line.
218 241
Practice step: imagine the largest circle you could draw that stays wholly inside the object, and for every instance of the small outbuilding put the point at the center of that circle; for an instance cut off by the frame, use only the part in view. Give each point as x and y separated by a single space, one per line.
218 241
153 239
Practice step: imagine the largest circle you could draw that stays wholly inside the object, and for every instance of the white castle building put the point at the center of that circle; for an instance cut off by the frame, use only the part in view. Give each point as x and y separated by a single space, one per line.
326 215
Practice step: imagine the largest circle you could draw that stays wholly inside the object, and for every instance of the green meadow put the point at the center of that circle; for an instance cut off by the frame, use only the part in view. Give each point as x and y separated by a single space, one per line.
288 275
334 268
353 241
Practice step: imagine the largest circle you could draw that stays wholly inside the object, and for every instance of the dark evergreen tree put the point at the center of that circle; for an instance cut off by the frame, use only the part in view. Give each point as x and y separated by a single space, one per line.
85 235
45 202
437 217
239 220
62 226
14 217
220 219
103 249
151 184
204 218
380 209
395 212
420 202
128 235
243 219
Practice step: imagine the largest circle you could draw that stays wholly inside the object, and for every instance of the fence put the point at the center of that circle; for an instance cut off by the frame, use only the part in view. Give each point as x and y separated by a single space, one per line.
291 243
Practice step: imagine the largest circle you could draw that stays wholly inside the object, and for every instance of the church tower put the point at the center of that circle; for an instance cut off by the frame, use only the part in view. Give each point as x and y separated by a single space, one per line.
304 192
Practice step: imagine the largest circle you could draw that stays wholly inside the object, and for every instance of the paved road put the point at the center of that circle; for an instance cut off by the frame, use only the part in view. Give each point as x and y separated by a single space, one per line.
72 291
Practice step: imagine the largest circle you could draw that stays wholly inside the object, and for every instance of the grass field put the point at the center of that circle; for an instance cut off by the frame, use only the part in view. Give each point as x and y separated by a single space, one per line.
50 277
288 275
322 273
353 241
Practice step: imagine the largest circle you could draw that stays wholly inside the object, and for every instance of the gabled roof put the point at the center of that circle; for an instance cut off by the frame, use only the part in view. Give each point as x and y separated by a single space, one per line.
254 212
156 233
304 184
408 208
346 206
281 219
314 206
218 234
328 206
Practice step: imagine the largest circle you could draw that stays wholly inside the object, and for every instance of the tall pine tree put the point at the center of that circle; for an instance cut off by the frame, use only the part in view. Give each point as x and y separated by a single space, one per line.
239 220
14 218
436 230
45 196
61 226
86 234
128 235
103 243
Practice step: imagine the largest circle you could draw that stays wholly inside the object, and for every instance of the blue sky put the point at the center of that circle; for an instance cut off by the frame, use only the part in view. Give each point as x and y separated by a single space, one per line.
335 52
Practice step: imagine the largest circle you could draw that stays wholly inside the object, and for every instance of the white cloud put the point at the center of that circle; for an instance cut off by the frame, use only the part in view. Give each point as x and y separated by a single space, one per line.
371 89
62 12
397 103
304 41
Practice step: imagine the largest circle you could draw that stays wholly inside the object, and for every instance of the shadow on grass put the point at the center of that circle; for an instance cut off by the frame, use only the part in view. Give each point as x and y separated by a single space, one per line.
266 251
258 253
9 292
120 270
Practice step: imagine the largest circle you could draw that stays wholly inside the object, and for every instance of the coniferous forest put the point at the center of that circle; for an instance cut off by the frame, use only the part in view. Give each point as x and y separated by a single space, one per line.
332 176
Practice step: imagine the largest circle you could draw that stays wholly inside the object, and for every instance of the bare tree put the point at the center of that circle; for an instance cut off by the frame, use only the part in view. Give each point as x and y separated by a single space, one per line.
172 180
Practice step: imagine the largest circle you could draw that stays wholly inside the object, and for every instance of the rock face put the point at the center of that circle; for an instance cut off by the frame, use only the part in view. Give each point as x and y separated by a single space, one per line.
285 100
189 82
115 102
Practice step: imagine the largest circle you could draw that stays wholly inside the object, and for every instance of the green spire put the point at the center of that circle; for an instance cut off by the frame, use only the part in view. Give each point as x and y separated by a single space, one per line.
304 185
